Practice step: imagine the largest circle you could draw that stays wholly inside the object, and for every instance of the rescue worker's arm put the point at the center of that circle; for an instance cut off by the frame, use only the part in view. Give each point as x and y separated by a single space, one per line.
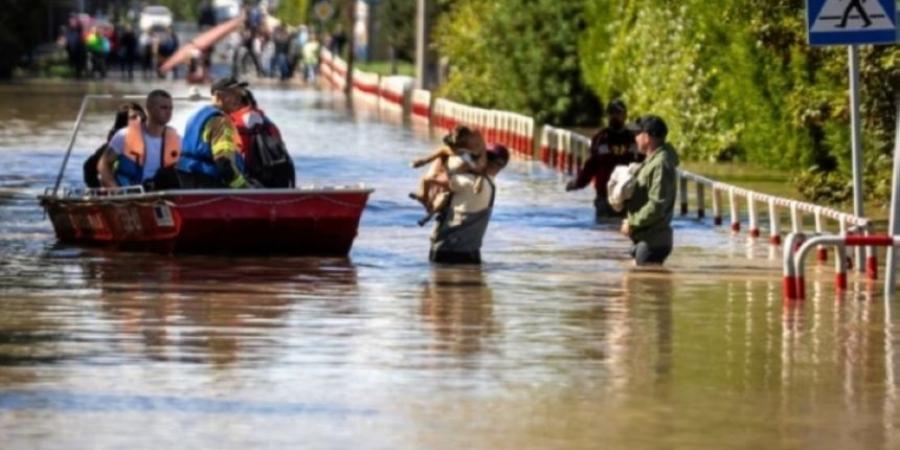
593 164
587 173
222 137
659 193
105 168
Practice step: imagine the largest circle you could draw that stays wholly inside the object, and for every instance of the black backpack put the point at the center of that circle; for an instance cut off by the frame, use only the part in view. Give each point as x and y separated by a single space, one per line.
272 165
91 176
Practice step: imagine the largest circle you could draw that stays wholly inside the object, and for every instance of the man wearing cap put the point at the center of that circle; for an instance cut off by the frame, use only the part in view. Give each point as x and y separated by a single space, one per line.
210 151
651 207
610 147
461 225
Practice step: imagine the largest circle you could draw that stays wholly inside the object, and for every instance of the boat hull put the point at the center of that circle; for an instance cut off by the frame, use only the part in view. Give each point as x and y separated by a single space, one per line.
292 221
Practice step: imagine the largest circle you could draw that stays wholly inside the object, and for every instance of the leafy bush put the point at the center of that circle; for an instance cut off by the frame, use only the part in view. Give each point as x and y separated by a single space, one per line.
519 55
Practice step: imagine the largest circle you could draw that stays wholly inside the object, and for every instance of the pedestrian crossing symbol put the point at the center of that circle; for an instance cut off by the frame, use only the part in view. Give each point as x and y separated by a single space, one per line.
846 22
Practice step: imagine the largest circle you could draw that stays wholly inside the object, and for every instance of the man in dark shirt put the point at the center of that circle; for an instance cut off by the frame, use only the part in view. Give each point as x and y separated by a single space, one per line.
610 147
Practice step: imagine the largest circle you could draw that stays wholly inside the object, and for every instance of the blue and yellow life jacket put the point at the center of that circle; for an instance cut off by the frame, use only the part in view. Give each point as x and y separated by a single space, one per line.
196 154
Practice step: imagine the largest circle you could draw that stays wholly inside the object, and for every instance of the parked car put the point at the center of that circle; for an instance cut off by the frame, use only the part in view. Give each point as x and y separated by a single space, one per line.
155 17
226 9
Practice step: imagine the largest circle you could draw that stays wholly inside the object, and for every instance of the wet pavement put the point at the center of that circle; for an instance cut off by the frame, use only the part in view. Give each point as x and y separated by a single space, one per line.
555 342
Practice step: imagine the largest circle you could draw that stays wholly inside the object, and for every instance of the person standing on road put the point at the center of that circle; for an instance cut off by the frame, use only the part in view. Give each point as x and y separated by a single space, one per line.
610 147
651 206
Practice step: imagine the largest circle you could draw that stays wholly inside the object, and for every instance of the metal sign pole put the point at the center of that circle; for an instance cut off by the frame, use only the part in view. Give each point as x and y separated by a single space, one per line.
894 225
856 142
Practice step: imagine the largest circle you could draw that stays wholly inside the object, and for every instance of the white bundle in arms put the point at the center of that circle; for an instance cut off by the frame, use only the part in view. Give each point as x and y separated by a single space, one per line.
621 185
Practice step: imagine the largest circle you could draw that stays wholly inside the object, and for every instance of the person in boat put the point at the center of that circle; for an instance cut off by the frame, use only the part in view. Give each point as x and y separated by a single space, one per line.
126 112
210 151
266 160
461 225
610 147
652 204
137 152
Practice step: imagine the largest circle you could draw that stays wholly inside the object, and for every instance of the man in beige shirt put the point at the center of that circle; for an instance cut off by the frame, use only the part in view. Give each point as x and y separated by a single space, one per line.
460 228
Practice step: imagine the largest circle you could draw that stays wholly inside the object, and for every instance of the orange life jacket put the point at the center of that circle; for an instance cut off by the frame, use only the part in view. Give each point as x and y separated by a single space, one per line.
130 164
134 145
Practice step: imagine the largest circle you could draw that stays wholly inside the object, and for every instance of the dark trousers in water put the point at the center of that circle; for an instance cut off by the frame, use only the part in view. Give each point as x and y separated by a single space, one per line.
198 181
646 255
169 178
444 257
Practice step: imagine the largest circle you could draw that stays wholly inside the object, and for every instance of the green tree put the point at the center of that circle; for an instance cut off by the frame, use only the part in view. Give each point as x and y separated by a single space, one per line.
738 81
293 12
396 20
519 55
22 26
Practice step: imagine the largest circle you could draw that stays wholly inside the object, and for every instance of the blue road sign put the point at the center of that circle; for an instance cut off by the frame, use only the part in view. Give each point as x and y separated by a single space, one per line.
847 22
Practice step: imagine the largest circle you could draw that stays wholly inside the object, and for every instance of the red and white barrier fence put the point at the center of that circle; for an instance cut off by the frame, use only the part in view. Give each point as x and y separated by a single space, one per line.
798 246
394 94
365 87
332 70
564 150
420 108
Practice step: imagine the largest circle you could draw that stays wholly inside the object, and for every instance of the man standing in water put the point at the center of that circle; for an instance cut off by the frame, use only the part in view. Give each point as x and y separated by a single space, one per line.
460 227
610 147
651 207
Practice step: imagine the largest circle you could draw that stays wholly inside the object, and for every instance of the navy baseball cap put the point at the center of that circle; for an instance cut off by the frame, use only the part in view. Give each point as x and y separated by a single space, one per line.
226 83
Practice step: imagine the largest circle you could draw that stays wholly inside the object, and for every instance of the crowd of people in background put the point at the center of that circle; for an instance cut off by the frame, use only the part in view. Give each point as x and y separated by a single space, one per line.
262 46
93 47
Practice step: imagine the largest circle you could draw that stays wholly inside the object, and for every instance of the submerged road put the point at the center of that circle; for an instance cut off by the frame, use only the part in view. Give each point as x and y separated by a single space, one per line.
555 342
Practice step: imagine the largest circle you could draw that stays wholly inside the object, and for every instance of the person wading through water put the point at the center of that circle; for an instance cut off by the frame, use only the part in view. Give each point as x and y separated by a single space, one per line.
461 225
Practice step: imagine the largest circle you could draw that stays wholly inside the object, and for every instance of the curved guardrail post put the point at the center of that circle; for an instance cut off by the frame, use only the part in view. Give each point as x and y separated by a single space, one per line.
799 259
841 264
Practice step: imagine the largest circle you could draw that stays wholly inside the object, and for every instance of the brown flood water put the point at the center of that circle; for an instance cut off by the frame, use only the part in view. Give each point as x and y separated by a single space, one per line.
555 342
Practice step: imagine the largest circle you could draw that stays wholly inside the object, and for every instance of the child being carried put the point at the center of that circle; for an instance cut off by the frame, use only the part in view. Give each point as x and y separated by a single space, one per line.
463 152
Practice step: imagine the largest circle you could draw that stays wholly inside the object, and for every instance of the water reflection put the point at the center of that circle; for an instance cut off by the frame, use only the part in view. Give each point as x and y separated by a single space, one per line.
209 310
457 305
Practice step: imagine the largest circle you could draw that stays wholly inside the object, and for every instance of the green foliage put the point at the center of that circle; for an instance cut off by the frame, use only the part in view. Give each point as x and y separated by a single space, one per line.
396 19
293 12
519 55
21 26
738 81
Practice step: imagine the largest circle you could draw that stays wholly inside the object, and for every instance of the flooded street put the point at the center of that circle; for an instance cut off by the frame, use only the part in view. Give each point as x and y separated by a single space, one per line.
556 342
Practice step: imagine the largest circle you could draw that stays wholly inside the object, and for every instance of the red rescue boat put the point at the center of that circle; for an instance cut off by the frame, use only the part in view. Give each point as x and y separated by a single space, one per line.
301 221
320 221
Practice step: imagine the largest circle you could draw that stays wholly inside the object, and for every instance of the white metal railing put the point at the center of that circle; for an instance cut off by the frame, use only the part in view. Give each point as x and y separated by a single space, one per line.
566 151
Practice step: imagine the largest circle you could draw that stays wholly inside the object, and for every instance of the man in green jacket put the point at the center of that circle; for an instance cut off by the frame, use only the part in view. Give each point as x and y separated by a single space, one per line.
651 207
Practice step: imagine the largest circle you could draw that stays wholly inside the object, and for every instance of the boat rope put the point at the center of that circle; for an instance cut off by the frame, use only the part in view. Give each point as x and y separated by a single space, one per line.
265 202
